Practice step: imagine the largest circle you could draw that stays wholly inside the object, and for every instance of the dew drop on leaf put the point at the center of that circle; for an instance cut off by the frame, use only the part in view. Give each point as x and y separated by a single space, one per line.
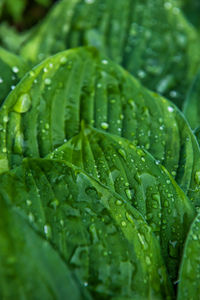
23 104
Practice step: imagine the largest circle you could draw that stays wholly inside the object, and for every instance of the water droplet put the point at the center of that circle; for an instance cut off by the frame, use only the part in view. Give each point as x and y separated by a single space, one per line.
142 241
166 203
63 60
123 223
148 261
130 218
122 153
47 230
47 81
86 283
15 69
167 5
174 173
128 194
170 109
1 80
28 202
173 248
93 232
141 74
31 217
45 70
46 126
5 119
99 85
104 61
168 181
156 197
104 125
119 202
23 104
54 203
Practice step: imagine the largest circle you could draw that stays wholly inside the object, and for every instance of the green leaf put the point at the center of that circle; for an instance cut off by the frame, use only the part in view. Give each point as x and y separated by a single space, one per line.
189 274
12 69
134 174
197 134
47 106
29 267
110 247
191 107
134 34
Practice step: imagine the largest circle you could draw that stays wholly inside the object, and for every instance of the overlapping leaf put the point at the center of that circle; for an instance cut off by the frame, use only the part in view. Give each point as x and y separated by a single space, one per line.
29 267
151 39
134 175
109 246
189 276
48 105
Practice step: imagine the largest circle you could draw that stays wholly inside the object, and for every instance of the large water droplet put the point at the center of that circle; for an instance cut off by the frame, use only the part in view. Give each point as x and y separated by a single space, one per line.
15 69
23 104
47 231
104 125
47 81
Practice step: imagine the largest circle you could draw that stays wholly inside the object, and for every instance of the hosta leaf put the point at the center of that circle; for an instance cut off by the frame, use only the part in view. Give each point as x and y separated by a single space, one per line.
47 106
29 267
12 69
134 175
192 104
189 275
151 39
109 246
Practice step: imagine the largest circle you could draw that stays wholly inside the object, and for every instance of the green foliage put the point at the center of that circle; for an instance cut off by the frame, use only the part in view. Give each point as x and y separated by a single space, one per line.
134 34
192 105
99 176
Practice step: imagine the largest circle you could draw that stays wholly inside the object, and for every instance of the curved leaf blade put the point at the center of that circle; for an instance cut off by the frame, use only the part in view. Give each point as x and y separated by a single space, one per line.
28 263
81 219
189 274
191 107
134 174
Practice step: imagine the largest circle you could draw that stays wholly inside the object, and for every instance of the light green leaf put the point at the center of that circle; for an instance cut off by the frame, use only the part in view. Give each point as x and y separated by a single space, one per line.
109 246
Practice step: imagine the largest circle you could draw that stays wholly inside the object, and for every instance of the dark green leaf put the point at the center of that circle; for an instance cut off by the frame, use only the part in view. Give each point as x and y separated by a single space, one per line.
12 69
29 267
109 246
133 174
151 39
